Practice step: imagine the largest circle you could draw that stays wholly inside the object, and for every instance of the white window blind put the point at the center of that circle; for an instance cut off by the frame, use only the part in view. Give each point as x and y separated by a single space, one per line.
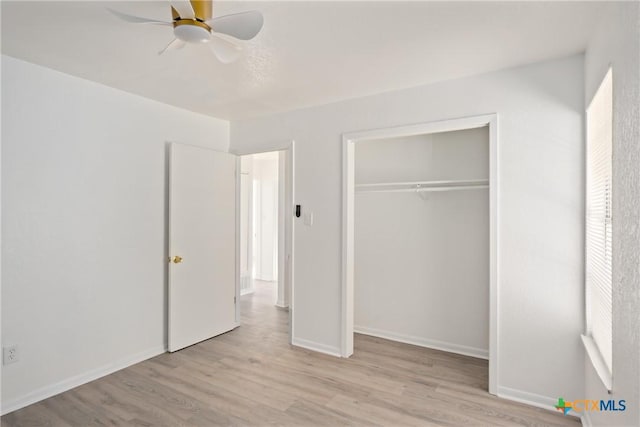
599 220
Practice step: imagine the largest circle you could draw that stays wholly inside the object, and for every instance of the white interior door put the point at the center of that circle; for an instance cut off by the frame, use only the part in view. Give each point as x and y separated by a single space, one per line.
202 227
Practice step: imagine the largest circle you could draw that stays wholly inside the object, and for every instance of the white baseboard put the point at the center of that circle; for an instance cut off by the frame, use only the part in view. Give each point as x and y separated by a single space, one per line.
424 342
78 380
532 399
315 346
282 306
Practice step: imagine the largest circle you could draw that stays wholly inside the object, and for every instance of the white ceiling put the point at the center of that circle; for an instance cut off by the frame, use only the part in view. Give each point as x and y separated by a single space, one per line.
308 53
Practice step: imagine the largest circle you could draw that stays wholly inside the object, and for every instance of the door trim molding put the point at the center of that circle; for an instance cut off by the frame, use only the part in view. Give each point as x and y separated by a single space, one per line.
348 235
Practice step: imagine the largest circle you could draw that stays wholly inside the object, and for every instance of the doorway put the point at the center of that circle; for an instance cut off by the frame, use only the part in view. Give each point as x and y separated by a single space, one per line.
349 190
259 228
265 229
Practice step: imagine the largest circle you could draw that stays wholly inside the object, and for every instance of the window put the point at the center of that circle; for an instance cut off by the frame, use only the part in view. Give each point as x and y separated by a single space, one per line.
598 340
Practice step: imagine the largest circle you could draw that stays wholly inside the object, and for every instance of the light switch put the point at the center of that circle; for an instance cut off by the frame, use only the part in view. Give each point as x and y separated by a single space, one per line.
308 218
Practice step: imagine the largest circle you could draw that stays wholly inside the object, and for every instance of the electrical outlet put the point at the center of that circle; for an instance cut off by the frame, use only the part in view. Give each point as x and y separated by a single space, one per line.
9 354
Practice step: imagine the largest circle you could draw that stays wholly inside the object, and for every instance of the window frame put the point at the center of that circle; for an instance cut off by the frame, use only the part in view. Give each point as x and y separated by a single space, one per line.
594 350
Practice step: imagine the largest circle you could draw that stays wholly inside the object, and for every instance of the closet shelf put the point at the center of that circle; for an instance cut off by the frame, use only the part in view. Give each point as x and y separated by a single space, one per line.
422 186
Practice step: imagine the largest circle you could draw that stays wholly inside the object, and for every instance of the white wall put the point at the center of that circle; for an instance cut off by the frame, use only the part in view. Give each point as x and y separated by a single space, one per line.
83 222
422 260
616 42
541 203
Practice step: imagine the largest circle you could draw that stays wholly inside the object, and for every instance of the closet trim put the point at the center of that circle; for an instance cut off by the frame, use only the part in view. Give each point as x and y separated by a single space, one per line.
348 235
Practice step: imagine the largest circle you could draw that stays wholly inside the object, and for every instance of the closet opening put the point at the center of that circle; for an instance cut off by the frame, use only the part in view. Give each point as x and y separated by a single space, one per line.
420 237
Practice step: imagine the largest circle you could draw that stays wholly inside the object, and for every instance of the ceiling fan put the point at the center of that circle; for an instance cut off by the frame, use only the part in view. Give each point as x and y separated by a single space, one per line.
193 23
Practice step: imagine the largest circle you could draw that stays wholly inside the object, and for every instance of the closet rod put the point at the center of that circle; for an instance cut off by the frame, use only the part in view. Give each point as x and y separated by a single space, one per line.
423 189
422 186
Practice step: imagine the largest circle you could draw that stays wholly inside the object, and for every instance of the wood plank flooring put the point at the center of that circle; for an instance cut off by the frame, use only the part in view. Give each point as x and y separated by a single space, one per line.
252 376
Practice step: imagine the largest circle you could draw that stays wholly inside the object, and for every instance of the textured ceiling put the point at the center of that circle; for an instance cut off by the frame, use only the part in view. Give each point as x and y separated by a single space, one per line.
308 53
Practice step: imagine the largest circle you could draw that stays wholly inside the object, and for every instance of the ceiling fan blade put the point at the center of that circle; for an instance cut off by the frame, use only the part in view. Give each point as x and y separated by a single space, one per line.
137 19
225 50
243 25
174 44
184 8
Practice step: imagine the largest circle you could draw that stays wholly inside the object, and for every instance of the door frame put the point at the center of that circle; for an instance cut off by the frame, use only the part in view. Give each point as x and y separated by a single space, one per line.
348 221
286 234
249 225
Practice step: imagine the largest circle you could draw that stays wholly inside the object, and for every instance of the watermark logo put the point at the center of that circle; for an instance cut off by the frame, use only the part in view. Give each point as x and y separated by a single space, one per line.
563 406
581 405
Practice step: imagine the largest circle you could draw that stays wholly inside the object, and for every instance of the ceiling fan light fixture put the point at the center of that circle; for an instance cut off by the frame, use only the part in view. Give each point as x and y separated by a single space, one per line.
193 24
192 32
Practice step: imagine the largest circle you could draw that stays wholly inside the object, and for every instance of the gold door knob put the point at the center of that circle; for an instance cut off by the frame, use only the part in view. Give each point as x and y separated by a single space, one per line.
177 259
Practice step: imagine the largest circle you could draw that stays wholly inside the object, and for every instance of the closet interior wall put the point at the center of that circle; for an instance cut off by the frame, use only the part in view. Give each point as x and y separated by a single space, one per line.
422 240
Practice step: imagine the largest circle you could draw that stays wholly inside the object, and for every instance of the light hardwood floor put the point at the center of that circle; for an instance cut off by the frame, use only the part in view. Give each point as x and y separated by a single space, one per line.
251 376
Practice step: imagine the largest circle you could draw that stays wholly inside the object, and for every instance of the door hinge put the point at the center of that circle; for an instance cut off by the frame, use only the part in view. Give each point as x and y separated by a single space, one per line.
234 300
